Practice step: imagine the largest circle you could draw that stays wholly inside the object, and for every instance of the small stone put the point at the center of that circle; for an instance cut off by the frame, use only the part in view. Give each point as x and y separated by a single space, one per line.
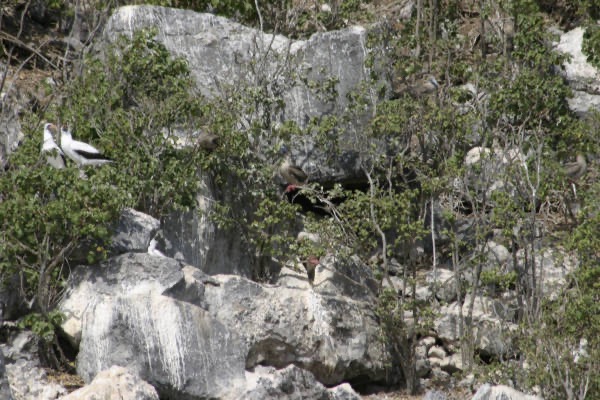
423 367
437 352
427 341
326 8
435 362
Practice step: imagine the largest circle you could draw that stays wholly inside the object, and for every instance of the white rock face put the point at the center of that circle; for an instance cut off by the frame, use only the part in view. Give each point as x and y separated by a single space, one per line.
134 232
123 316
551 269
291 383
501 392
115 383
332 336
491 331
577 68
437 352
28 381
581 75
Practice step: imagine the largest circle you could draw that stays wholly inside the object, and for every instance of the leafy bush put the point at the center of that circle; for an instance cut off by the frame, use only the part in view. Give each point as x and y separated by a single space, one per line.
591 44
131 105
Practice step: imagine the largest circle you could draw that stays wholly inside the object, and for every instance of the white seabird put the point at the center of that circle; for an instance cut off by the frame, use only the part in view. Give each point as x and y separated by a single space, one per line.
54 155
80 152
153 251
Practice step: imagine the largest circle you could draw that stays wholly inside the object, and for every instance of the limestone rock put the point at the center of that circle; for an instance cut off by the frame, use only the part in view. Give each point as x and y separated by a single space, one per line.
134 231
115 383
28 380
552 268
4 385
444 283
491 330
434 395
452 364
501 392
117 276
10 127
219 51
333 337
291 383
123 317
579 73
437 352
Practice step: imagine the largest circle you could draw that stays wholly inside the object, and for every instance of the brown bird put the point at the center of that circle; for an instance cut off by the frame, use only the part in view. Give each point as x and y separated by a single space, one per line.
208 141
426 85
291 173
310 264
575 170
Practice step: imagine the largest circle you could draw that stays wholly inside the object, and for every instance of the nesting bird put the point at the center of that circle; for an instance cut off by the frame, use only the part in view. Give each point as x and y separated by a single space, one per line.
80 152
54 155
208 141
575 170
419 88
292 174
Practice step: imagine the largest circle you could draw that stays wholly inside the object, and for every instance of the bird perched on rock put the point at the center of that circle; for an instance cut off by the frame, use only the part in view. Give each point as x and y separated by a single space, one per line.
424 86
310 264
208 141
54 155
292 174
575 170
80 152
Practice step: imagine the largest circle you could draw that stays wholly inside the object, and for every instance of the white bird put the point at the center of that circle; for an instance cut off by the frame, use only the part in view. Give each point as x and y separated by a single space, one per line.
80 152
153 251
54 155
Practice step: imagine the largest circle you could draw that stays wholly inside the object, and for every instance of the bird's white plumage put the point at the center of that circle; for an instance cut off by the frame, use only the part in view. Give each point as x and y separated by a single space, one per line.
54 155
80 152
153 251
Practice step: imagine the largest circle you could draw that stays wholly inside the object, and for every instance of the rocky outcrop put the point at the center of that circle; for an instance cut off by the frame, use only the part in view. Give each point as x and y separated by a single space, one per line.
330 335
191 335
490 320
291 383
4 386
125 320
134 232
115 383
10 127
579 73
501 392
24 374
221 54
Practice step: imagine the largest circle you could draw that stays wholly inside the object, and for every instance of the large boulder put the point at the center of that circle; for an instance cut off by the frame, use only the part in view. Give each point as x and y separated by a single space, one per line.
332 336
579 73
118 276
551 269
291 383
224 54
192 335
221 53
134 231
124 319
24 377
115 383
501 392
492 329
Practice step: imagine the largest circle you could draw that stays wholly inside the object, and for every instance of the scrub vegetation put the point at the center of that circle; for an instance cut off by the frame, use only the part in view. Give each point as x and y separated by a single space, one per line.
135 99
